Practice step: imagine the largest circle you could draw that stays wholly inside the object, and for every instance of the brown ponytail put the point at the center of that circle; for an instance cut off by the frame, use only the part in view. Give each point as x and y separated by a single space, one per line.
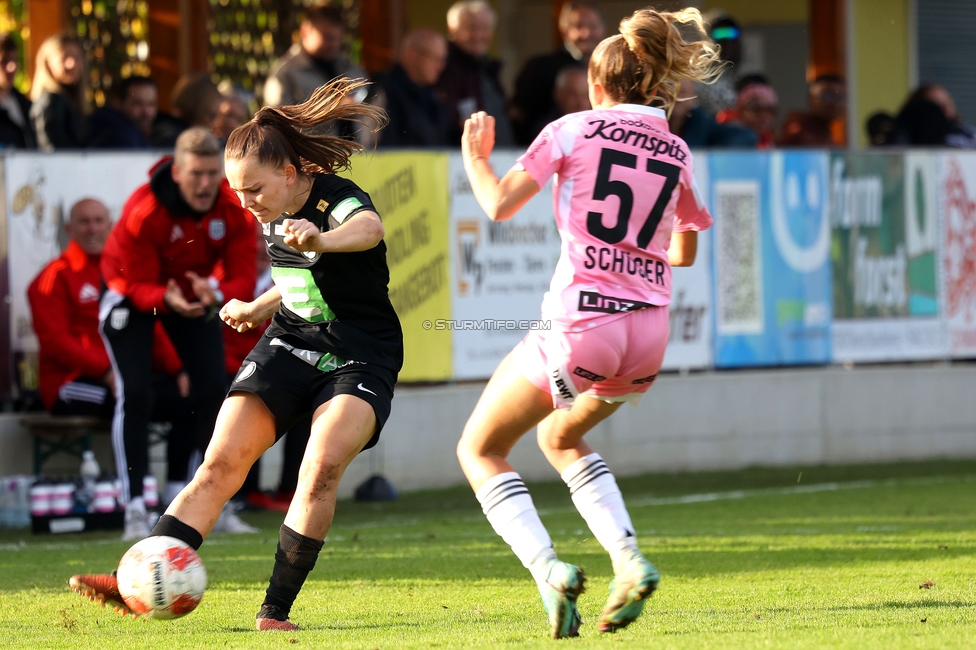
650 57
292 134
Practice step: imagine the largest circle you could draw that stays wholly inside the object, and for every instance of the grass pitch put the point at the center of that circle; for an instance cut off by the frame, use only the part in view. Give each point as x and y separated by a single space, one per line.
874 556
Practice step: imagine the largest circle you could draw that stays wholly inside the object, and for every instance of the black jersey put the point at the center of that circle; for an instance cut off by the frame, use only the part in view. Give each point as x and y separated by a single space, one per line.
334 302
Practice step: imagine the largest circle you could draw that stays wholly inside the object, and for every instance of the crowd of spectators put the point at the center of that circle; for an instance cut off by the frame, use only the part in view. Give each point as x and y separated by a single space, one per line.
436 83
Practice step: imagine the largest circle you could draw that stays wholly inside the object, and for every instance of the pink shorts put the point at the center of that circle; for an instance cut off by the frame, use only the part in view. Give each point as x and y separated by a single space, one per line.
615 362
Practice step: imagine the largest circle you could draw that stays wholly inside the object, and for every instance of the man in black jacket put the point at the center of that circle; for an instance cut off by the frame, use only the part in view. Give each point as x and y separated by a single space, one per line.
15 123
127 123
469 82
581 27
417 118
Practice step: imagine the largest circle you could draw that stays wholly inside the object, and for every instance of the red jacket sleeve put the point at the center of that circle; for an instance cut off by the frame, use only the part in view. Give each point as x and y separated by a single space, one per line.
130 262
240 259
51 306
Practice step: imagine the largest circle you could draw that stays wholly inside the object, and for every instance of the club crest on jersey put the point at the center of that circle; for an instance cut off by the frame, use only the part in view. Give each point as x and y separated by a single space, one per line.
310 255
246 371
119 318
88 293
323 204
177 233
217 229
266 229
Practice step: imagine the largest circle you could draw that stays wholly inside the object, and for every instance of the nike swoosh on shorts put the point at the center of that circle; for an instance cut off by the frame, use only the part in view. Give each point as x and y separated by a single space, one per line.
363 388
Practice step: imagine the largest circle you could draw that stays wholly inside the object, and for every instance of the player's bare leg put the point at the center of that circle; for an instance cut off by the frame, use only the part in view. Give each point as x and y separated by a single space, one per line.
340 429
244 430
508 408
599 501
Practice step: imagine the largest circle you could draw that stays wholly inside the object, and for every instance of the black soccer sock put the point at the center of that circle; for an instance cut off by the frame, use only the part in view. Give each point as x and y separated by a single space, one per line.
170 526
294 559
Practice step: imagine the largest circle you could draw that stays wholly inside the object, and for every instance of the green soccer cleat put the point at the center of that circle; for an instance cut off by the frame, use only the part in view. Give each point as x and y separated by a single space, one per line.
634 583
564 584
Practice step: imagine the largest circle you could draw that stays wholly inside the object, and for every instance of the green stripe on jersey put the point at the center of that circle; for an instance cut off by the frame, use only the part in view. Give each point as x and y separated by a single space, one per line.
300 294
344 208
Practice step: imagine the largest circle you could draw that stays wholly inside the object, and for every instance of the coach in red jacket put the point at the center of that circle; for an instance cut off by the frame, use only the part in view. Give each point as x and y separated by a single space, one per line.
76 377
158 263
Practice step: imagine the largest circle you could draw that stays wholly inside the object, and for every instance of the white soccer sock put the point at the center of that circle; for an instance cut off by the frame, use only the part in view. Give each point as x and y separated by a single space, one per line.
506 502
598 499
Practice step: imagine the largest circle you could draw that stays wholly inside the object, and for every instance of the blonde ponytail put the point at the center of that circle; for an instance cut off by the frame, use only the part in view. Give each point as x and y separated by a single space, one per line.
654 51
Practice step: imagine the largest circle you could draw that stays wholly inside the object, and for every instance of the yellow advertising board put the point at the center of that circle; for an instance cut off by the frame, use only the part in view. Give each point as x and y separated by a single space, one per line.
410 193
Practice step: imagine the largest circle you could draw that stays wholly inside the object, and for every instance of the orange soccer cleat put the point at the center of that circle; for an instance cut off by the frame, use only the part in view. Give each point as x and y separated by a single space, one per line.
272 618
101 588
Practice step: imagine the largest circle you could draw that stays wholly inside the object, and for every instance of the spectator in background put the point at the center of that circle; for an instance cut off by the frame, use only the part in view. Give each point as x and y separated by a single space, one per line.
76 377
158 264
232 111
570 94
880 128
194 103
756 108
699 129
16 129
470 81
929 117
820 125
417 118
127 121
314 61
581 27
720 95
59 93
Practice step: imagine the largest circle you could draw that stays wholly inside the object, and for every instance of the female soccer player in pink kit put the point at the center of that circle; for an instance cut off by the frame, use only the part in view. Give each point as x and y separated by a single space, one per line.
627 210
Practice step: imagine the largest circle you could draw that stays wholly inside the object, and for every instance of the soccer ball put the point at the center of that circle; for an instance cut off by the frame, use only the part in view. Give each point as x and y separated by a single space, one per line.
161 577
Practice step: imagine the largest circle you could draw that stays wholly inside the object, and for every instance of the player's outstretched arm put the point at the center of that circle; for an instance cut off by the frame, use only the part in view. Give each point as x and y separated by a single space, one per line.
243 316
360 232
683 248
500 199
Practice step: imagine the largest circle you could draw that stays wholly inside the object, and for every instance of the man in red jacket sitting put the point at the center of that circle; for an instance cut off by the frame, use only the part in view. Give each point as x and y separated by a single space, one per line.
158 264
76 377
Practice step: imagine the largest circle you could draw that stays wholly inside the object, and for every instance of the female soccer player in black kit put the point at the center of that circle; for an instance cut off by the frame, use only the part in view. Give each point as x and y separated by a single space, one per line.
333 349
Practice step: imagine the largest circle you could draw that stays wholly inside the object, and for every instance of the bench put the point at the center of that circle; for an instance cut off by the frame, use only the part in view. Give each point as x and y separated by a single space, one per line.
61 433
72 434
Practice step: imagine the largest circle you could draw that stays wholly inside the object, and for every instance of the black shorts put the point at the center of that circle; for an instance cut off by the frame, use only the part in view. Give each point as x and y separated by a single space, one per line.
292 387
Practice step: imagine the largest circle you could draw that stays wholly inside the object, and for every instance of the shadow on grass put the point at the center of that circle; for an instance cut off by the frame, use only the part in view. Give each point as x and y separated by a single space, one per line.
452 541
893 604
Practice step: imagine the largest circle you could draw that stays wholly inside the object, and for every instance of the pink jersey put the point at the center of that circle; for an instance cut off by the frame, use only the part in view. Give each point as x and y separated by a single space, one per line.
623 184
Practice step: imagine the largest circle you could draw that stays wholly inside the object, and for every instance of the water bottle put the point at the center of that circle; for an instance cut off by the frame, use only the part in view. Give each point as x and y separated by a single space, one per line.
62 498
104 499
40 498
21 517
150 491
90 471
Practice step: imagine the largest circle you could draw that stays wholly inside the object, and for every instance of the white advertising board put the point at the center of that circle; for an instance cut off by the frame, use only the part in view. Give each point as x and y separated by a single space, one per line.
957 181
690 345
499 271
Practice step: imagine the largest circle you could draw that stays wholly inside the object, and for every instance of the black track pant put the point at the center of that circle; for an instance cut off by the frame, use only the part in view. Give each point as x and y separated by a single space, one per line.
92 397
128 335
